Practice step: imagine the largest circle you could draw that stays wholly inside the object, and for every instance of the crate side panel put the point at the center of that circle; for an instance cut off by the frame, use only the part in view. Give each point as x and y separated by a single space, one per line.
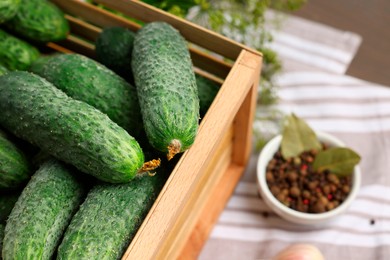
181 230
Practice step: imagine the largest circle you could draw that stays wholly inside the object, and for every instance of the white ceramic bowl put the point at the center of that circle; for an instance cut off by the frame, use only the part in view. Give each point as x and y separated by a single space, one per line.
285 212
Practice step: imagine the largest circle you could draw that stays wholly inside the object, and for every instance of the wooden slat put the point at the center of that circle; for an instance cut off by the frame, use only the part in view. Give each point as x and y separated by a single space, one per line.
82 28
217 199
189 170
102 18
192 32
95 15
189 216
78 45
210 63
208 75
244 117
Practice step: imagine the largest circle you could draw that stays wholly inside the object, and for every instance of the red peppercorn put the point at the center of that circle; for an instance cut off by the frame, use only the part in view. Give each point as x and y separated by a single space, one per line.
304 167
306 201
330 196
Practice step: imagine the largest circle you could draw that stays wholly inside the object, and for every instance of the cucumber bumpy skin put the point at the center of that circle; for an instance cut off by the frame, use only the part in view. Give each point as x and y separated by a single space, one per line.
70 130
15 168
3 70
16 54
109 218
87 80
113 47
39 21
207 91
166 87
1 236
8 9
42 213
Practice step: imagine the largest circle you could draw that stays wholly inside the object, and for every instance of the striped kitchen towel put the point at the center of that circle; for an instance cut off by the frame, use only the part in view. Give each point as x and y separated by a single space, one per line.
357 112
354 110
310 46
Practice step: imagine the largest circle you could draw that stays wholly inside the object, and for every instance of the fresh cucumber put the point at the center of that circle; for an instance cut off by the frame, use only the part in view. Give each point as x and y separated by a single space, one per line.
8 9
16 54
113 47
70 130
1 236
15 168
109 218
39 21
42 212
87 80
207 90
3 69
166 87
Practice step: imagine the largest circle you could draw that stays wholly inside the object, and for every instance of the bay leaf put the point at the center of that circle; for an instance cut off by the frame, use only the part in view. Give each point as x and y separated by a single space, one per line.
338 160
297 137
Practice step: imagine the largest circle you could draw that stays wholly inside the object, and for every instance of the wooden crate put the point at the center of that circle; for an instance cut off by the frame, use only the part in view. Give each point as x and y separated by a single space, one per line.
197 190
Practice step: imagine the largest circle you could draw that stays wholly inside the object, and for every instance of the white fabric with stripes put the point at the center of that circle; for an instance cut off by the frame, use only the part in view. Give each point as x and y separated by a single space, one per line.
356 111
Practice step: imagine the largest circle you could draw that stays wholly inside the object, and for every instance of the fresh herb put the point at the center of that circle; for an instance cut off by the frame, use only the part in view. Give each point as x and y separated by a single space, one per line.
339 160
298 137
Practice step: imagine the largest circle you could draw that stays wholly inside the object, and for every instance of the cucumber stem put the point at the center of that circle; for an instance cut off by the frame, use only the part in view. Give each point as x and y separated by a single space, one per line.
173 148
150 165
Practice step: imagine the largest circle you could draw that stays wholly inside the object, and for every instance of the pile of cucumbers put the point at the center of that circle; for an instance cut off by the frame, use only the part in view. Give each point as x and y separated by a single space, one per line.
85 145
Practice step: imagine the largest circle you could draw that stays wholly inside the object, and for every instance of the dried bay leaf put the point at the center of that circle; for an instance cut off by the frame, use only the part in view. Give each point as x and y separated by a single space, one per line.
338 160
297 137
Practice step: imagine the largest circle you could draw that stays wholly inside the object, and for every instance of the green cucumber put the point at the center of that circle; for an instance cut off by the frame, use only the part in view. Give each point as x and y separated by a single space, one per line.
8 9
42 212
166 87
3 70
109 218
34 110
207 90
15 168
39 21
113 47
16 54
7 202
87 80
1 237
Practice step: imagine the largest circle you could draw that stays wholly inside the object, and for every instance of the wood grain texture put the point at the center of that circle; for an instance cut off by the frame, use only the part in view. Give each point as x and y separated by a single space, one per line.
189 216
213 207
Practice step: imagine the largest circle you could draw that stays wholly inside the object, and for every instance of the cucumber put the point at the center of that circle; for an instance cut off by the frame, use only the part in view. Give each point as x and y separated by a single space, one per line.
68 129
166 87
15 168
113 47
207 90
16 54
3 69
109 218
1 237
42 212
39 21
87 80
8 9
7 202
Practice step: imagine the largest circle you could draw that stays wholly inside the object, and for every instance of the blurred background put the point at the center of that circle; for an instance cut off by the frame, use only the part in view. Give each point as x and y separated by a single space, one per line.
369 19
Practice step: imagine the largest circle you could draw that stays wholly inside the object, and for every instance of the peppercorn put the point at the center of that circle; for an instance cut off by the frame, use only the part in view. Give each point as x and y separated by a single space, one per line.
296 185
